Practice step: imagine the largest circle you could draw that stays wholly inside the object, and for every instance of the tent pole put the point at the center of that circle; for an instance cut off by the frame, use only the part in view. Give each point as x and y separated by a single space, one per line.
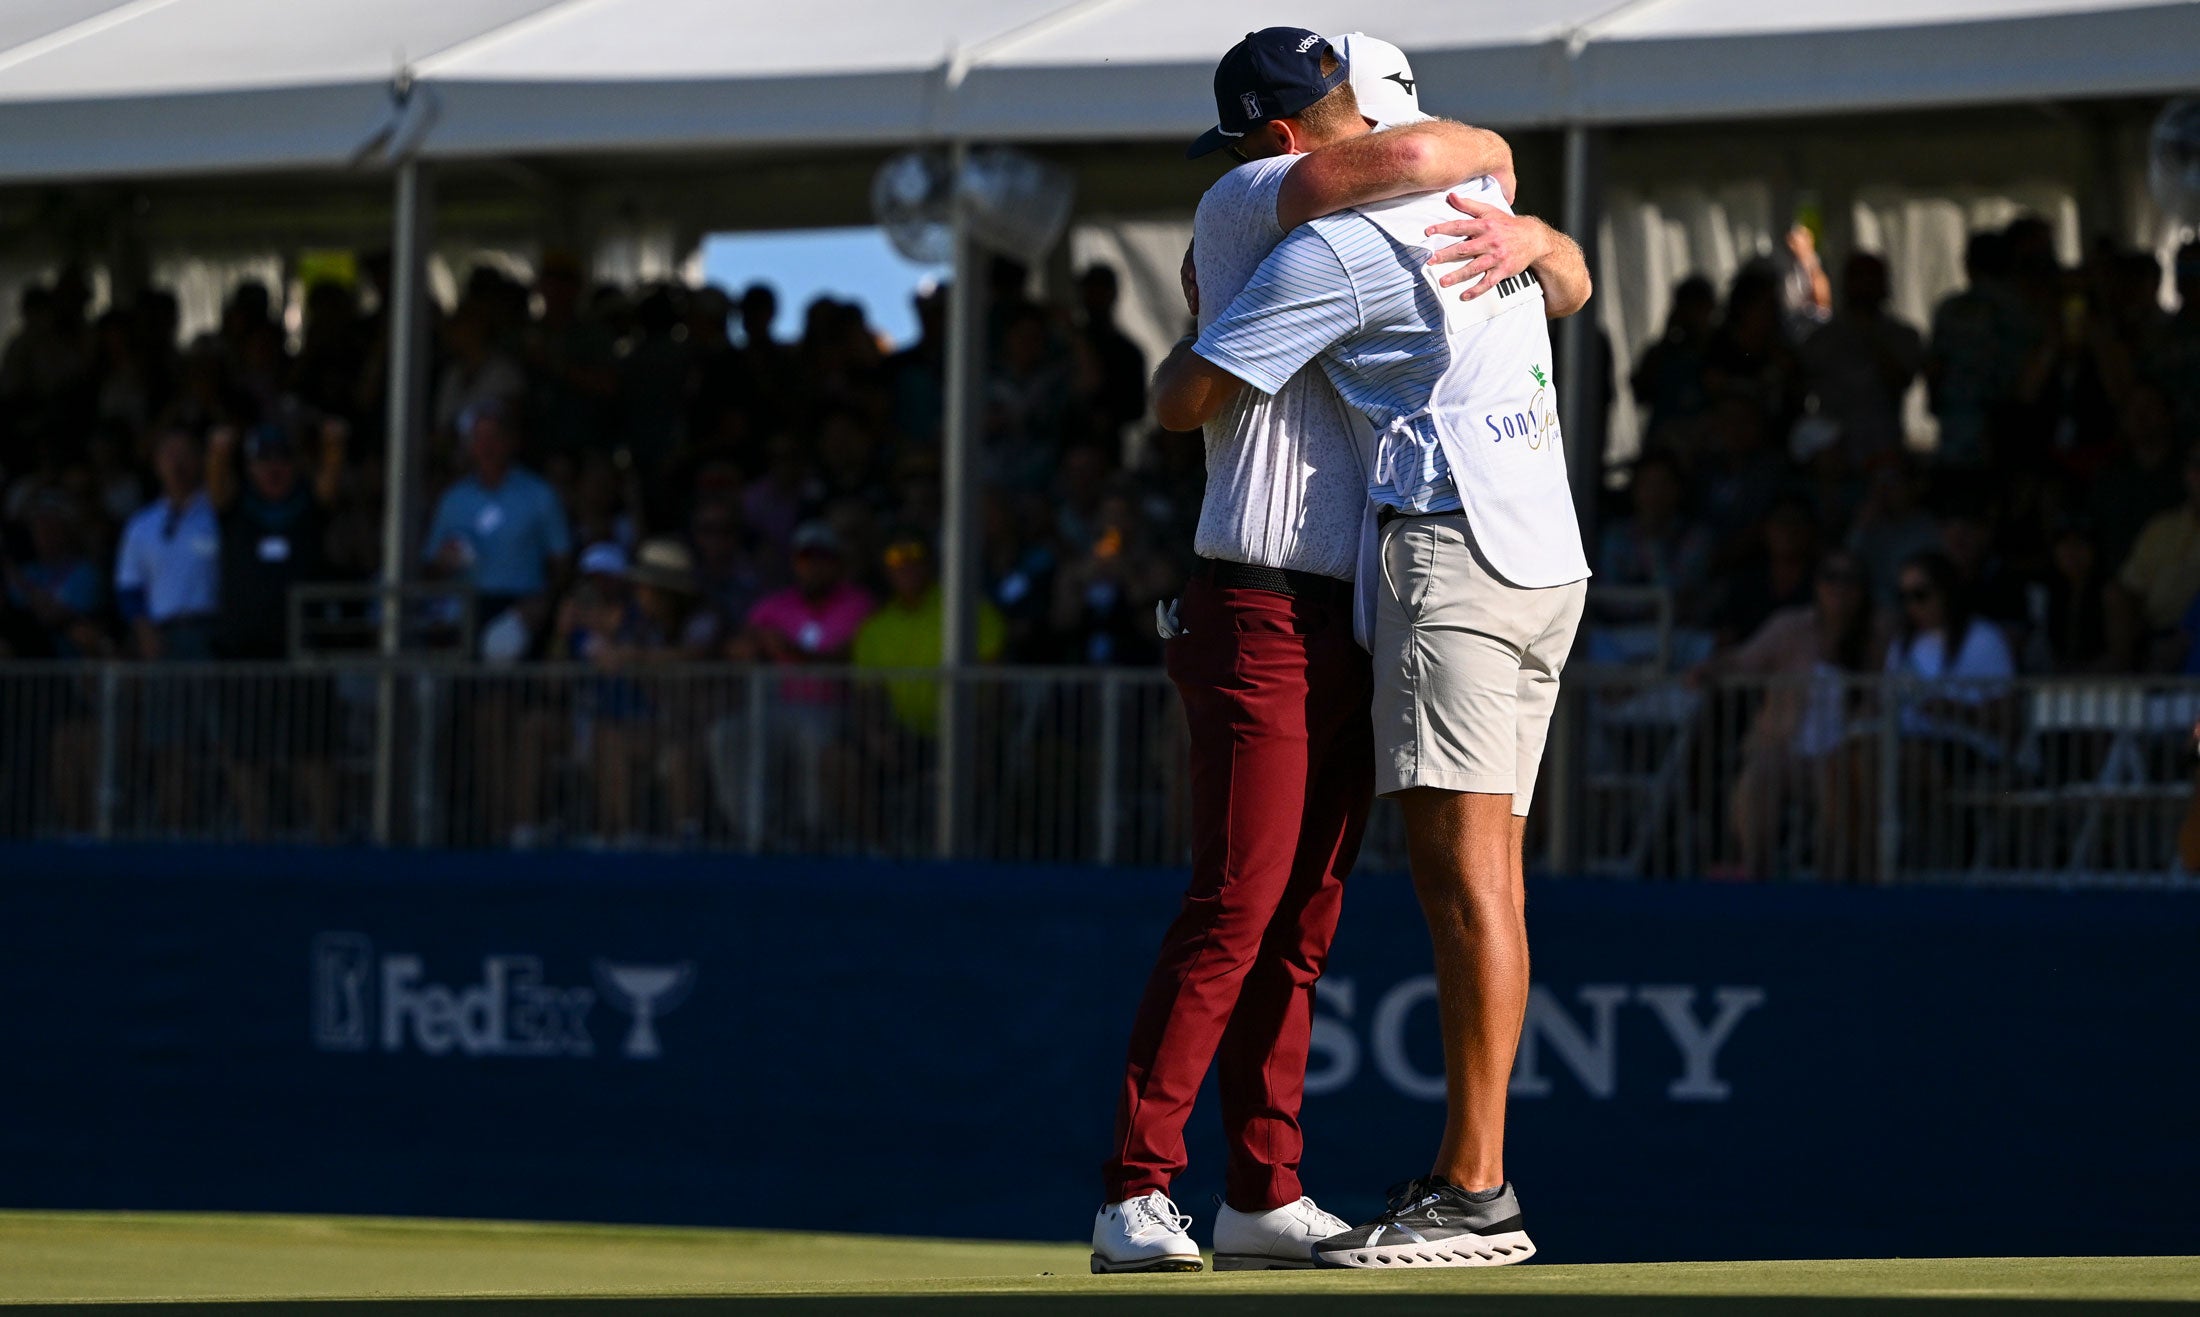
958 496
414 206
1578 389
1580 395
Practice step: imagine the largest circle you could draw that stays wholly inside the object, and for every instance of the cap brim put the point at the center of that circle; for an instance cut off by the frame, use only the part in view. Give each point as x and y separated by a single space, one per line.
1211 141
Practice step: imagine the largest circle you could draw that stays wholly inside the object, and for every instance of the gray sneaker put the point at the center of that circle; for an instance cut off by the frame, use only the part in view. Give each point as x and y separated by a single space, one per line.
1433 1224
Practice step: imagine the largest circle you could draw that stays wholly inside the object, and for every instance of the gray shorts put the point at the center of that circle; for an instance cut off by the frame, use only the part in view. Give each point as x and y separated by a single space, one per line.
1466 666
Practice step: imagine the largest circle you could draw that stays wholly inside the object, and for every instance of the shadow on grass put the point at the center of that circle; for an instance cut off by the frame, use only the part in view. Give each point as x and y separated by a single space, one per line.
1146 1305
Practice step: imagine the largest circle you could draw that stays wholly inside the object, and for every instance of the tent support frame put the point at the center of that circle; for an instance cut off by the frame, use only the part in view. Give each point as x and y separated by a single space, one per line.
958 505
1578 396
410 238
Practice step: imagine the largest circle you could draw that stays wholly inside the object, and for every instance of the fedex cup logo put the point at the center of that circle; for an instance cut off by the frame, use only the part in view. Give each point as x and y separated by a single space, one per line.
644 992
363 1001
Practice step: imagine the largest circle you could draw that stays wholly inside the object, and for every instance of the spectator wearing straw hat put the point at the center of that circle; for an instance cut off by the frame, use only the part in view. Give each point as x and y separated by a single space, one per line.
642 728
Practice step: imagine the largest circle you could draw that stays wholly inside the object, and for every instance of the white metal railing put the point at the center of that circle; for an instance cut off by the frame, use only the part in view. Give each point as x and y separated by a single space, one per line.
1856 779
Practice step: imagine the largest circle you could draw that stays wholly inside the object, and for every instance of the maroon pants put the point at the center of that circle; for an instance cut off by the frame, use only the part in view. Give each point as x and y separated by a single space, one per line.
1283 765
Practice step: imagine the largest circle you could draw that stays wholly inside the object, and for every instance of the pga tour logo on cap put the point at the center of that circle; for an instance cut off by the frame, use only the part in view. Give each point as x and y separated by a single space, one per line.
1251 101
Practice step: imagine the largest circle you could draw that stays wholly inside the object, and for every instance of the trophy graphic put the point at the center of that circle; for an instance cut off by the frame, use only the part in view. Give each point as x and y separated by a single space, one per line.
645 992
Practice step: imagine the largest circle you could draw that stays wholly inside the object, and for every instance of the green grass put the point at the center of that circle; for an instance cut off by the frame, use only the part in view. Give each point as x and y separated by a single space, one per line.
250 1266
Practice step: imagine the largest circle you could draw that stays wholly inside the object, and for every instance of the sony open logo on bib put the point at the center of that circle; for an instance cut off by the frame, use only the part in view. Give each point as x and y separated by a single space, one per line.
1532 420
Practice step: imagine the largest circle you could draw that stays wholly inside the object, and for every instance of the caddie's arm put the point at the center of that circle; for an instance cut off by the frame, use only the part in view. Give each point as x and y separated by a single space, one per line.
1391 162
1297 305
1496 246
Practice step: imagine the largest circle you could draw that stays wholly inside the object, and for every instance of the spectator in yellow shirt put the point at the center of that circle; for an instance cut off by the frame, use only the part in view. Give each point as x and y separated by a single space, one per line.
2160 578
906 633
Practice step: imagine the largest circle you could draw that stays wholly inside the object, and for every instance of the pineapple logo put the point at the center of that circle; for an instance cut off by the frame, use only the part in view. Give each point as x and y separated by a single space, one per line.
1542 418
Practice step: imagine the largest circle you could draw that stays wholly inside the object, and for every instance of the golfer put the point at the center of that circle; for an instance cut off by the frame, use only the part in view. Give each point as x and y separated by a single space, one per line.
1479 578
1275 689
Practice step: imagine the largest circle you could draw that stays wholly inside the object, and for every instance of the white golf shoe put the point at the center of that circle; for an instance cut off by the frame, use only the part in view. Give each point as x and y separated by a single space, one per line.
1146 1233
1279 1239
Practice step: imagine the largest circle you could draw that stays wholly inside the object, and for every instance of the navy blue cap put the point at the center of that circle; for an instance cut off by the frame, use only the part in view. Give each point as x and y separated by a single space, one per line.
1272 74
269 440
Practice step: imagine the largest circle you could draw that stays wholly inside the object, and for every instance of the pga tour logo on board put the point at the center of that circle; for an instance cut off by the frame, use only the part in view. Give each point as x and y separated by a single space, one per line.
1677 1032
364 1002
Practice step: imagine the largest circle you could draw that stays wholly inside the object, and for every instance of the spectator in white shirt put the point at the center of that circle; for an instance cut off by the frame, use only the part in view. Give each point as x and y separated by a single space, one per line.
1953 713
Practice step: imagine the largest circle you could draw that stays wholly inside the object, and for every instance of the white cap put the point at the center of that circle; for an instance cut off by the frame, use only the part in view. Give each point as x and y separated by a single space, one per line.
1382 80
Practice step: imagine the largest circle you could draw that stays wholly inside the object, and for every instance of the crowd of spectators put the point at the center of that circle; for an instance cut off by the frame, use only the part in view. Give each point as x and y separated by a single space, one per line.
157 497
629 477
2063 491
2054 528
614 478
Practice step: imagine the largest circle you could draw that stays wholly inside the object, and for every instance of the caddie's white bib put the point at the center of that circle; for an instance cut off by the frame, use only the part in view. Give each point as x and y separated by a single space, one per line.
1495 408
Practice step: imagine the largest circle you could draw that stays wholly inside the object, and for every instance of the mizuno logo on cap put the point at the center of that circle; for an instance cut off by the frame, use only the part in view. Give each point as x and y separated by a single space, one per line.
1402 80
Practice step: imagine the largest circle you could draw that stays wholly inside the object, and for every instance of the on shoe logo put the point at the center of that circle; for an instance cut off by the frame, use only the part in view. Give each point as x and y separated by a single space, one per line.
1696 1026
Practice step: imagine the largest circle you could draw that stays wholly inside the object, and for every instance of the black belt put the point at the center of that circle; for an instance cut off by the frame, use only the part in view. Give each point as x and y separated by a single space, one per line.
1226 575
1387 514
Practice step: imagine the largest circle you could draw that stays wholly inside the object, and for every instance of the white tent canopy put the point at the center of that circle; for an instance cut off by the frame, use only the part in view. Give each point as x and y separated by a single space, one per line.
108 88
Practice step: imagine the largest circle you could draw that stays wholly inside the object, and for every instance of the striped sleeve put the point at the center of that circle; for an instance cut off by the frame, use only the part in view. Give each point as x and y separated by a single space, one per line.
1299 302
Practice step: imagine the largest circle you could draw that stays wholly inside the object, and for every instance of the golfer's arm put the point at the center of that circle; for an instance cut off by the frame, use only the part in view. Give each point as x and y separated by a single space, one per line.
1189 390
1394 162
1564 273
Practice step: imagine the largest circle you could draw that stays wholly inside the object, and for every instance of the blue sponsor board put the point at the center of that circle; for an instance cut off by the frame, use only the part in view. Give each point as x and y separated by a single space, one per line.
1708 1072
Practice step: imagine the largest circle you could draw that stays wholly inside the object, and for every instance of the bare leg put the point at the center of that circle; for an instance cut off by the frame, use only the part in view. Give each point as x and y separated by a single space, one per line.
1753 814
318 778
1467 856
175 791
518 790
681 768
248 789
75 775
614 781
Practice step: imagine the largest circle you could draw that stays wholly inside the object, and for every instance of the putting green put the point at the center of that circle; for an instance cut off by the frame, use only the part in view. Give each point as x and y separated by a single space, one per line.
272 1262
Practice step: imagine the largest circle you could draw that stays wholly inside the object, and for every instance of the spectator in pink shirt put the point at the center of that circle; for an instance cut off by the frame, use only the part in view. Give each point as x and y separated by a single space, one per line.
813 621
